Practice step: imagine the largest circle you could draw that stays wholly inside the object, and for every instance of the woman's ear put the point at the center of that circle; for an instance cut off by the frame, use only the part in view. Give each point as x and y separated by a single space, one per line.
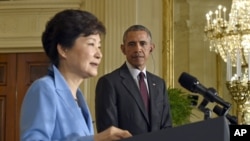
61 51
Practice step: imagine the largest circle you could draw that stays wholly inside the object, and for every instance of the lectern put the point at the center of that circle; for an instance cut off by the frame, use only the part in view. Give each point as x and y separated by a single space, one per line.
216 129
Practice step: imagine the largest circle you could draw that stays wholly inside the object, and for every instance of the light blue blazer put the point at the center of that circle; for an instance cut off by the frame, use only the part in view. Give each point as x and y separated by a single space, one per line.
50 113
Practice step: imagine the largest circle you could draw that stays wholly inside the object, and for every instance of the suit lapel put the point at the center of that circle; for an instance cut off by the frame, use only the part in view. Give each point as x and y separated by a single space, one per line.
85 111
152 85
133 90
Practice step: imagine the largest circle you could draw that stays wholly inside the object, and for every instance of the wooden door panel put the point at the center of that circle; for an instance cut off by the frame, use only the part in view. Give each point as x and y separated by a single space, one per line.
7 96
31 66
2 117
17 72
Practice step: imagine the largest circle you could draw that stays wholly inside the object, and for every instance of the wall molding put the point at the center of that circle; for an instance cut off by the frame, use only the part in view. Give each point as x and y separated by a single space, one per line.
20 44
44 4
22 22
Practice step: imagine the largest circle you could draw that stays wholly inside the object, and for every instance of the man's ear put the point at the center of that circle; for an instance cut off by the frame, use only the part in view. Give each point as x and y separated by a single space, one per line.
152 47
123 48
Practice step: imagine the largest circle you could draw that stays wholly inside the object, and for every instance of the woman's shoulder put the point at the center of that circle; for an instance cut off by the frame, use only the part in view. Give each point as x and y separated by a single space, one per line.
41 88
43 83
45 80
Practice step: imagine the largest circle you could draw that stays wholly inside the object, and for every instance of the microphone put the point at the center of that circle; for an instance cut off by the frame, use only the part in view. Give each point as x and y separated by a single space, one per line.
192 84
224 112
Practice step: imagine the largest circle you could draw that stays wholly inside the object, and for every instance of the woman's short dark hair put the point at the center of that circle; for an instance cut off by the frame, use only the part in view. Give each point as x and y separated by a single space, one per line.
65 27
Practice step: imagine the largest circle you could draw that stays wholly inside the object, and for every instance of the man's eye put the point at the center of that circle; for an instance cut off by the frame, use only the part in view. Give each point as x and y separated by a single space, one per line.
143 43
131 44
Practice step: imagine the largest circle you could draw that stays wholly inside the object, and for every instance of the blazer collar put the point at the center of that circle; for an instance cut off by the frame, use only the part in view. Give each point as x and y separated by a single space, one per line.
64 92
60 82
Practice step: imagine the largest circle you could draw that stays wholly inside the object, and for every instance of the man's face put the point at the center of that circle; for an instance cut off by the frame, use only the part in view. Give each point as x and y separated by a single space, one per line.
137 48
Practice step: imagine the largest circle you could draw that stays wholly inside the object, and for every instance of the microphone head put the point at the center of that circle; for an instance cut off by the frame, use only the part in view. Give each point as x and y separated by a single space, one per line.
187 81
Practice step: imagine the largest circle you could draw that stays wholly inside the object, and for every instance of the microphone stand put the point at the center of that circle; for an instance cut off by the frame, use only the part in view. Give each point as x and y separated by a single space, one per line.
217 110
224 112
206 111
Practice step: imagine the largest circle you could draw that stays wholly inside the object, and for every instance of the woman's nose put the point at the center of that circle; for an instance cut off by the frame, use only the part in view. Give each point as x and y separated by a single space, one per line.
98 54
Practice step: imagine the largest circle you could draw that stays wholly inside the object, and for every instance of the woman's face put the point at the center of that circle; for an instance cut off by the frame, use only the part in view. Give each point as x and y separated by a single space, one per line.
85 56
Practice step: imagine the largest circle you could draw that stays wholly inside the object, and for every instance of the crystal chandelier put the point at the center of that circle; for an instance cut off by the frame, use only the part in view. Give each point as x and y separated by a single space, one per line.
230 38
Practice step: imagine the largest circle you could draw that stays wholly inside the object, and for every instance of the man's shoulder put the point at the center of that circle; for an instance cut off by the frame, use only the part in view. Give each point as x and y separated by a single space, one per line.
150 74
155 77
116 72
111 74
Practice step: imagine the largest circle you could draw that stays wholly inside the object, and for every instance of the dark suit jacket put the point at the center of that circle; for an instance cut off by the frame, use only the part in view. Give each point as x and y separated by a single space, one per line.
118 102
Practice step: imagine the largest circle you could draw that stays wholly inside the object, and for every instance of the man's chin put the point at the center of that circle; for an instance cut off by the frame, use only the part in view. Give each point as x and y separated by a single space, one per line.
138 66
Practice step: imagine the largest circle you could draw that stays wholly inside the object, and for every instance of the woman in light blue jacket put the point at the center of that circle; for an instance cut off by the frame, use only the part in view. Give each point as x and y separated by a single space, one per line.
54 108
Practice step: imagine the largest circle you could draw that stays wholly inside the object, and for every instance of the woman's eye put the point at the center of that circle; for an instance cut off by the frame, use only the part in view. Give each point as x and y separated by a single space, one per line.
91 44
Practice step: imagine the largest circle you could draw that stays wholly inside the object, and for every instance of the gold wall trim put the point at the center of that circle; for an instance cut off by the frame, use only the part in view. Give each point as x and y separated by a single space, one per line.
167 43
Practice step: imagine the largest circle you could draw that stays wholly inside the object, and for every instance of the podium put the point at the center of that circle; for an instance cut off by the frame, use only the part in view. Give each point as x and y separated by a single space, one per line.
216 129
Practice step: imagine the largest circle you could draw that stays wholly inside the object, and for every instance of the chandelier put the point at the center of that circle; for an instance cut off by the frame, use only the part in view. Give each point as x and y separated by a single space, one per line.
230 38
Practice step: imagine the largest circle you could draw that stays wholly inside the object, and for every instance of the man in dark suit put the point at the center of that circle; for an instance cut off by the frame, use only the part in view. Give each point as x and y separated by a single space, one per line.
119 101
